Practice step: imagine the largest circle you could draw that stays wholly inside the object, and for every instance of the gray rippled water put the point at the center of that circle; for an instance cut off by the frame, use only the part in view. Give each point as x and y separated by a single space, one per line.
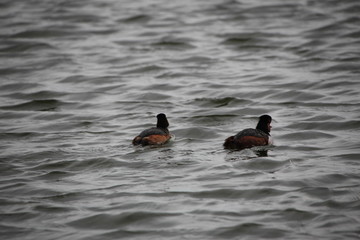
79 79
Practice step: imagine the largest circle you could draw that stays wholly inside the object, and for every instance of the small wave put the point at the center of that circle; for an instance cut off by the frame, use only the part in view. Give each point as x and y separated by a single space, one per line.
21 47
261 164
306 135
139 18
18 216
173 44
76 18
82 79
295 96
323 32
201 60
10 71
201 133
248 194
255 230
220 102
315 127
335 178
162 87
152 96
40 95
349 156
293 214
36 105
144 69
65 197
352 7
53 165
18 87
323 193
56 168
48 208
353 34
335 83
94 163
341 67
36 65
113 221
54 175
267 10
43 33
251 41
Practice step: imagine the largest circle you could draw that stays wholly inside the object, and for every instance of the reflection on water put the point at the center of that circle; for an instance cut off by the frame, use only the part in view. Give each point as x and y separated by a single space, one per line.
262 153
79 79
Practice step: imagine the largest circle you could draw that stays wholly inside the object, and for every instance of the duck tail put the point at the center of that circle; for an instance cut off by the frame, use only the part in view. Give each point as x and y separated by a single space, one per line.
229 143
137 140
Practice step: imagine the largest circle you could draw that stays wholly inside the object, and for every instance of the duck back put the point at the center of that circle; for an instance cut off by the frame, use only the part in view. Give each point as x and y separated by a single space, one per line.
153 131
251 132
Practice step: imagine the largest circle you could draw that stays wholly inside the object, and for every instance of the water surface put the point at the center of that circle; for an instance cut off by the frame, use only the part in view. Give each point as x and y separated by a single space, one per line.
79 79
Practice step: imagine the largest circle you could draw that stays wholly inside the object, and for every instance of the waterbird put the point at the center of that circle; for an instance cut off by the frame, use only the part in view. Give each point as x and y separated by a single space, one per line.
251 137
156 135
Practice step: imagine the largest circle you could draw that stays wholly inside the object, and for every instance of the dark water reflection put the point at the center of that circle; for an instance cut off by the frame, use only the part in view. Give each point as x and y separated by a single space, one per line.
79 79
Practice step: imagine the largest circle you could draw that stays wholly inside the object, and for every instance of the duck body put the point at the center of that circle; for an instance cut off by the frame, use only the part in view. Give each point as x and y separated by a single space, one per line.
247 138
154 136
251 137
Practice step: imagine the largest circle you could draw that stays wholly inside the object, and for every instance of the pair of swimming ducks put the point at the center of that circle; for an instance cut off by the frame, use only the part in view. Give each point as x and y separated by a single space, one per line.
247 138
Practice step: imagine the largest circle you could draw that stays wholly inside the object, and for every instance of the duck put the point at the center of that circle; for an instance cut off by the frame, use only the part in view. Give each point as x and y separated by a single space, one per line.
156 135
250 137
